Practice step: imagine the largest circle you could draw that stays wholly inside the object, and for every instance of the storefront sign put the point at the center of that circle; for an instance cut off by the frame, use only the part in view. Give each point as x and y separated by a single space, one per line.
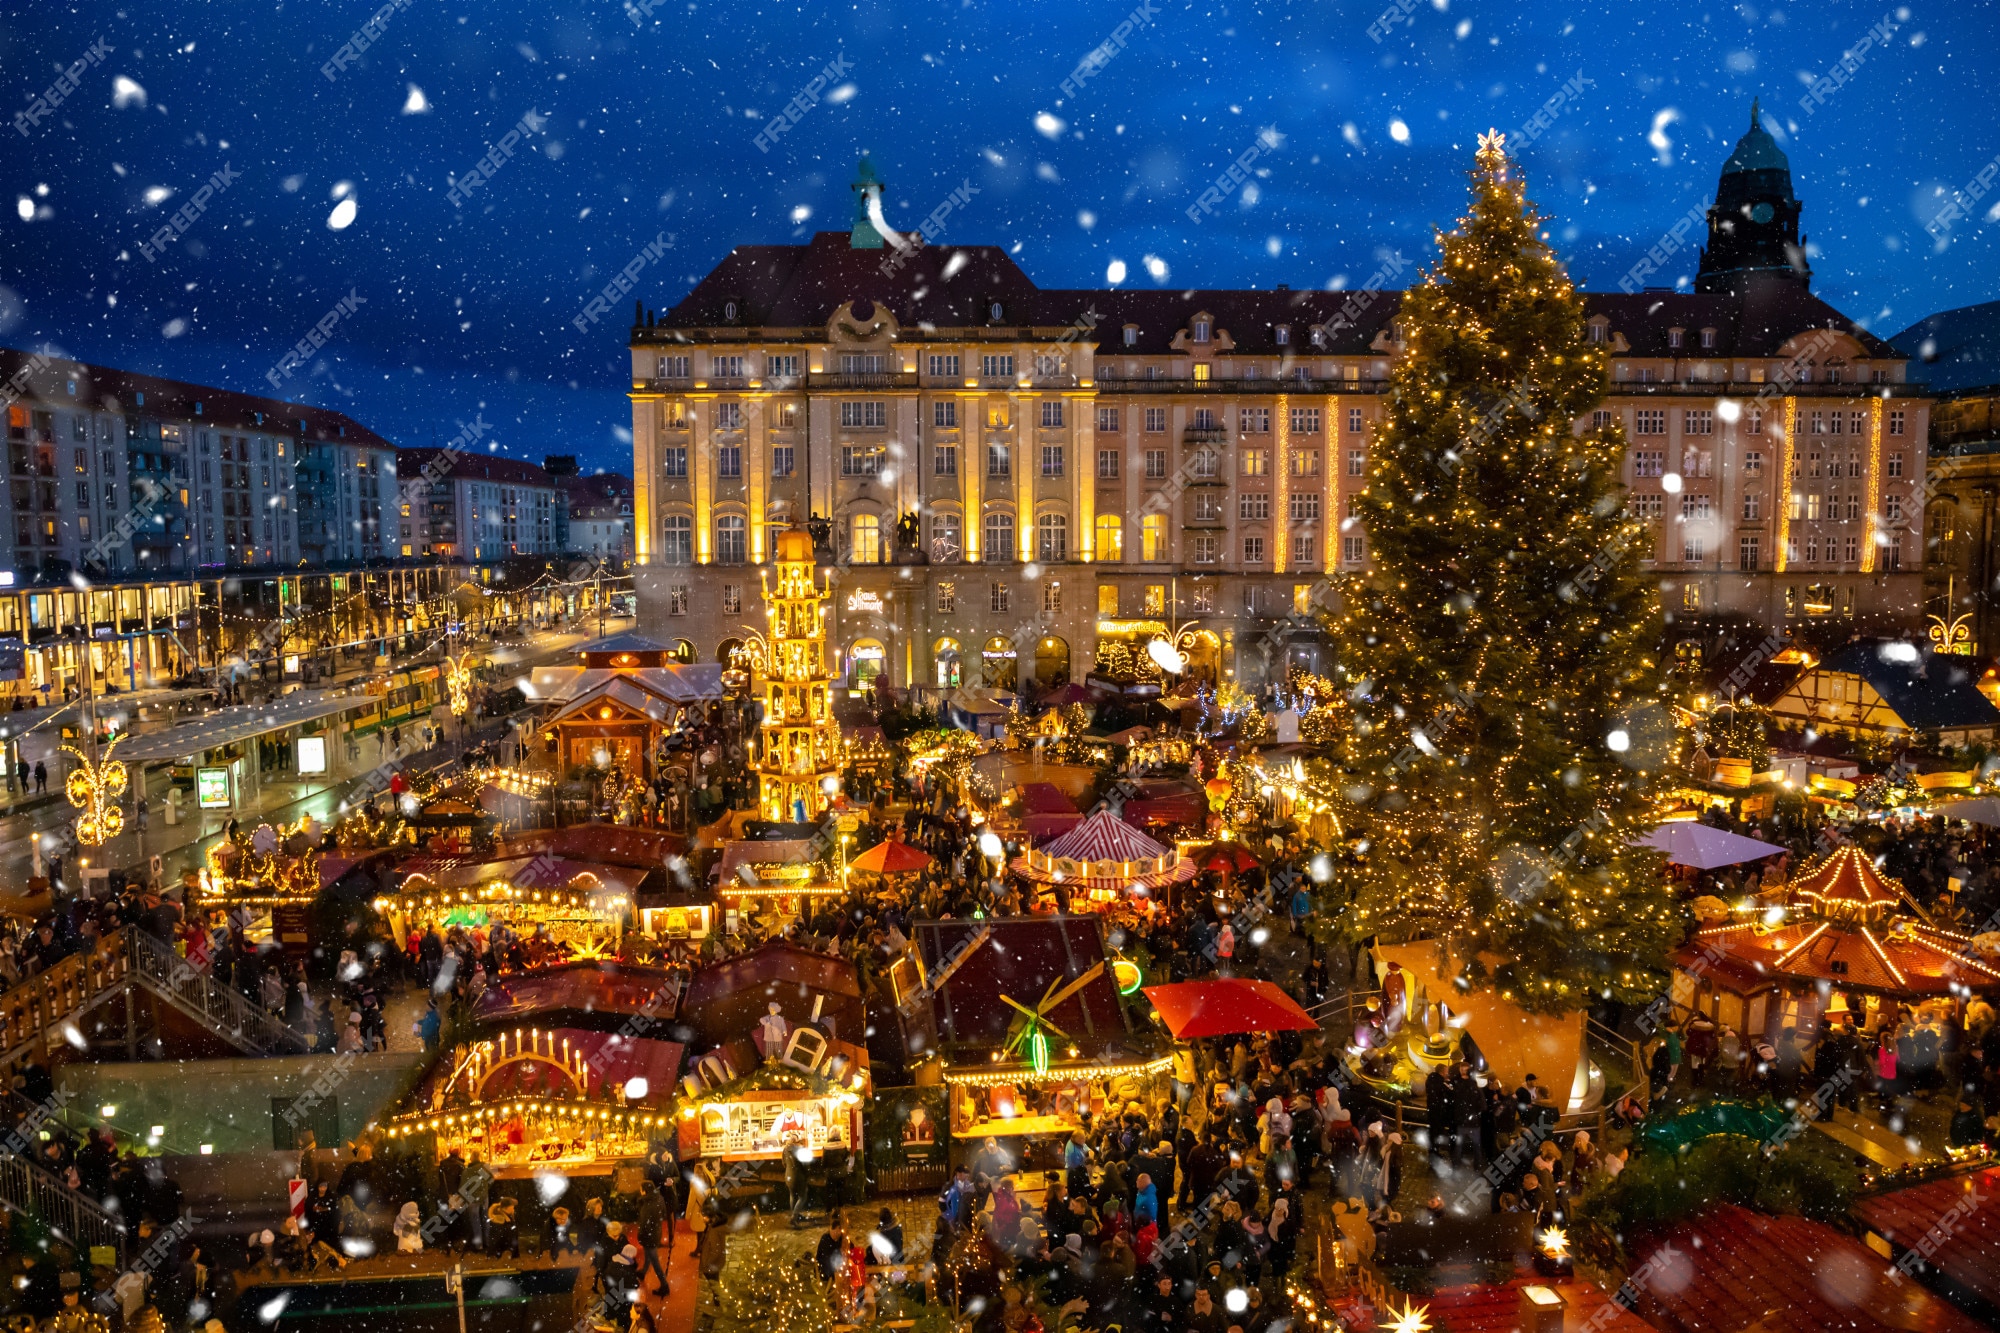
211 787
312 755
862 599
767 1129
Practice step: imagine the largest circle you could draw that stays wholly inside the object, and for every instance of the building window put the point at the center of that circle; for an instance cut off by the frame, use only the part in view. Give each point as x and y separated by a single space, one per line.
998 464
1051 538
675 460
1753 506
1131 335
997 367
944 415
1853 545
1202 548
1303 552
998 597
673 368
1254 420
1650 421
947 590
1207 507
1253 550
1357 463
1156 420
999 536
729 461
1648 462
729 531
864 539
861 460
1255 462
1107 463
782 457
1305 508
1892 506
1673 338
1153 537
1110 538
1052 597
1253 506
1698 421
1305 462
1896 422
1156 463
1284 335
677 540
1353 550
729 416
1052 413
677 600
1156 599
1747 556
944 365
1107 599
1305 421
945 460
947 538
1693 548
1107 418
1895 465
1052 460
864 414
732 599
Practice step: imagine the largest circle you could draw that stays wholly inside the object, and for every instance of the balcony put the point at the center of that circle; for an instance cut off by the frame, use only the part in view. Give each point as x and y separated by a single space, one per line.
1205 435
840 381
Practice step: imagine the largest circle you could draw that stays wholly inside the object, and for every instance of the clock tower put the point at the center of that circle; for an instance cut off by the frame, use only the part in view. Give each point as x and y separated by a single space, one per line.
1753 226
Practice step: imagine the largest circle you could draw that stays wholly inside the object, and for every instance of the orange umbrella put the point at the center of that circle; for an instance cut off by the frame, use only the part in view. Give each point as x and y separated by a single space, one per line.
1228 859
890 858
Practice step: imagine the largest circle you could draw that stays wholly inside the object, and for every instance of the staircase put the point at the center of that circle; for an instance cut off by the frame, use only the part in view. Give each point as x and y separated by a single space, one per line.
28 1189
38 1015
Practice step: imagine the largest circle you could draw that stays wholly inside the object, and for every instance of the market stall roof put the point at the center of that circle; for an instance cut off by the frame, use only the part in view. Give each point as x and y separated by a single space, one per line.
1046 812
1160 803
1728 1268
1227 1005
1972 1260
725 999
1495 1307
693 683
543 872
891 857
1847 878
1104 837
1908 959
1688 843
1104 852
601 844
611 992
1022 959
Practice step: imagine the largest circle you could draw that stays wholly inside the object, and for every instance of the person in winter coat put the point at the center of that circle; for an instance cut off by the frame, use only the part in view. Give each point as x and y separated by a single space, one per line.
503 1232
409 1229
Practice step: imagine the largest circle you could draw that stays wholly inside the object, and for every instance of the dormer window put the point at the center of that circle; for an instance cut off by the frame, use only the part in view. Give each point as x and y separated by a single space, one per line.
1131 335
729 311
1708 340
994 312
1318 336
1201 330
1674 338
1599 331
1284 335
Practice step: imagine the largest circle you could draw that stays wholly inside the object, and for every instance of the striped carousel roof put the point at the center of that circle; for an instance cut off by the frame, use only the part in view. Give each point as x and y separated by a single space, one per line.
1104 837
1845 878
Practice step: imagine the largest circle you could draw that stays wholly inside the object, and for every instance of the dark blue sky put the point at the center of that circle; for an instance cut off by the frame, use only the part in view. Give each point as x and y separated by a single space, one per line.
652 125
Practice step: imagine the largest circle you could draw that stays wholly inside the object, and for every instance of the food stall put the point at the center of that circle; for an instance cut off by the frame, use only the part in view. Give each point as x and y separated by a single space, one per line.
528 1100
265 881
582 919
773 880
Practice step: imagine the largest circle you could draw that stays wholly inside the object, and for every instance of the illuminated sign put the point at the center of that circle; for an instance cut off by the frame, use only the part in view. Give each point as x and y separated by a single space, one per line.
863 600
759 1128
312 755
211 787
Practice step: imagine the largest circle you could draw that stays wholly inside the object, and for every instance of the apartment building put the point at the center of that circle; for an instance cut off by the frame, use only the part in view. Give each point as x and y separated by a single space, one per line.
466 506
112 472
599 517
1008 480
348 505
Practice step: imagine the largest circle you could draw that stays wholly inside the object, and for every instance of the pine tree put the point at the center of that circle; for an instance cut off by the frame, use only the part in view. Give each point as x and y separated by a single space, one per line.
1500 656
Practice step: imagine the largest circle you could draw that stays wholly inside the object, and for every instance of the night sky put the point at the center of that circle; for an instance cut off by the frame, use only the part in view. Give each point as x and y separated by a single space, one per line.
652 117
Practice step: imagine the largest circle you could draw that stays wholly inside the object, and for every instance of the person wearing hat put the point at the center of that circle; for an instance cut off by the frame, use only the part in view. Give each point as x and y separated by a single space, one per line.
621 1279
408 1229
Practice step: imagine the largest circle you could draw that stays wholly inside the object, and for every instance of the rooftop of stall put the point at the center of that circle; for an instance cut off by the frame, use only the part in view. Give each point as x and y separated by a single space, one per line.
597 995
408 1293
1021 959
726 999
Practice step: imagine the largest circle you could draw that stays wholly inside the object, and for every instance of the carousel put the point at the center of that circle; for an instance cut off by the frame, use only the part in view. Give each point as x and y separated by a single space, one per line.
532 1100
1847 942
1103 865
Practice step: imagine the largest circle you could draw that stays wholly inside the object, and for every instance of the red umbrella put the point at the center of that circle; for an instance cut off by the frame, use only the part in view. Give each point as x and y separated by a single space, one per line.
1228 859
891 858
1227 1005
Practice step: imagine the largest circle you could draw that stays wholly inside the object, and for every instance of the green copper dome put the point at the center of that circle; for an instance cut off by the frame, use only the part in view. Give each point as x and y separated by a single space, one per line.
1756 150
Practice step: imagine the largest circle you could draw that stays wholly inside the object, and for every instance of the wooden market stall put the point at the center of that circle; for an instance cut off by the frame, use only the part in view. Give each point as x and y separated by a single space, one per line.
562 911
774 880
1022 1020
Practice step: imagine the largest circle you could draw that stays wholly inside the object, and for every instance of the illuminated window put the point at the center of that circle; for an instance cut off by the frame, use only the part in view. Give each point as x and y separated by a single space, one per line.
1302 599
1153 537
865 539
1107 599
999 536
1052 538
1110 538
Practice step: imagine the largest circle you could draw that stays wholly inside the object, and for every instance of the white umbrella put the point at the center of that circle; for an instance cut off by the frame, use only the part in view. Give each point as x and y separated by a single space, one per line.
1977 810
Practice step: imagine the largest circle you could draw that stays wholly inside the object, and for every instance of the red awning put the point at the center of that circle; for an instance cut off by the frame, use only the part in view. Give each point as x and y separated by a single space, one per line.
1228 1005
891 858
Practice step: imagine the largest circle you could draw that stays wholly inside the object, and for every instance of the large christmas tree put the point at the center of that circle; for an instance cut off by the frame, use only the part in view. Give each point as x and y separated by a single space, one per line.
1501 654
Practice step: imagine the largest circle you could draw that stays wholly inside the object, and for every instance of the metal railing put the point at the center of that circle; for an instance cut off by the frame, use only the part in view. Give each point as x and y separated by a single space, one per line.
223 1009
74 1217
32 1013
